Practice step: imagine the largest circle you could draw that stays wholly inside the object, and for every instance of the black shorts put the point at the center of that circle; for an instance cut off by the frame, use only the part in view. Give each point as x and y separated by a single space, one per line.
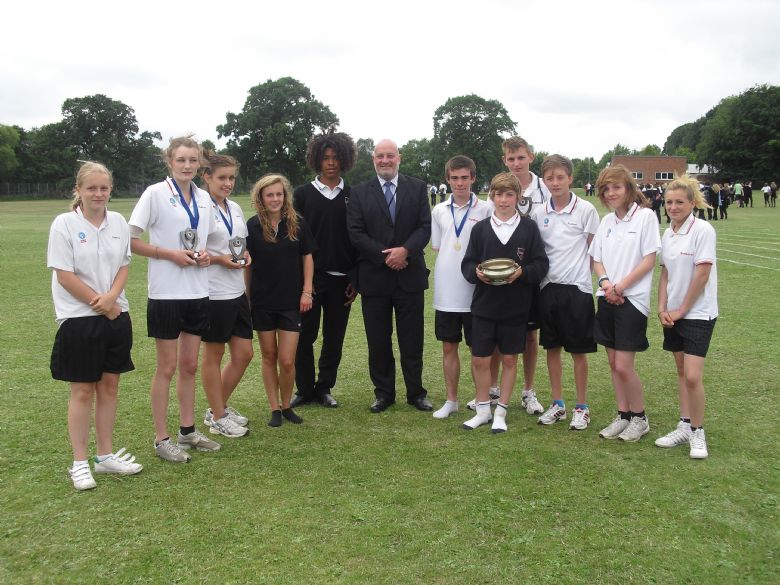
86 347
621 327
507 335
448 326
263 320
534 317
168 318
691 336
228 318
566 316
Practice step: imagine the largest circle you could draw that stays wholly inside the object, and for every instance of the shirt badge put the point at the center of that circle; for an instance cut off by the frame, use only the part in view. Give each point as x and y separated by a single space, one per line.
82 237
520 253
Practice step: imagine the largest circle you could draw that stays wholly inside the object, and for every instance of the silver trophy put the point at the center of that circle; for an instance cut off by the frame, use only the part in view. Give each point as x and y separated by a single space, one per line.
237 247
189 240
524 205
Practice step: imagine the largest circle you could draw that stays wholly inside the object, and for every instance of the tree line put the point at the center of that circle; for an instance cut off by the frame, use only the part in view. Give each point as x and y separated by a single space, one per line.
739 137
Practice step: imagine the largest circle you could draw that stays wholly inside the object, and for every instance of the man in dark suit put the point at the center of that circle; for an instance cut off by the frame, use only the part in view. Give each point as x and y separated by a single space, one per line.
389 223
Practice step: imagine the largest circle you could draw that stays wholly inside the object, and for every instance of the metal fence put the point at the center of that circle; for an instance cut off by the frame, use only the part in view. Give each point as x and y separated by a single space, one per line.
58 189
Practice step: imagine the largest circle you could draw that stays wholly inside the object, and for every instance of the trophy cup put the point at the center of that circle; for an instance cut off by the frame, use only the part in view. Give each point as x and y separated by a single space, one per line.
237 247
189 240
498 270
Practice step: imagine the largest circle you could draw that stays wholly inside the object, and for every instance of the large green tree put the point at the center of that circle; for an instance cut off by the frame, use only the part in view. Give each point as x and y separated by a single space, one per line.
473 126
9 139
271 131
363 168
45 156
417 161
742 137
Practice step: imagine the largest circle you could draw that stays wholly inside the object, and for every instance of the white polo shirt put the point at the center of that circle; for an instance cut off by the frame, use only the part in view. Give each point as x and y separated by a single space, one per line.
225 283
451 292
681 252
565 234
160 212
504 229
94 255
620 245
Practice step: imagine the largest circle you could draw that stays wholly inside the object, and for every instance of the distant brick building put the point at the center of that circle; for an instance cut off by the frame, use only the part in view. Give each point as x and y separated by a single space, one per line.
653 169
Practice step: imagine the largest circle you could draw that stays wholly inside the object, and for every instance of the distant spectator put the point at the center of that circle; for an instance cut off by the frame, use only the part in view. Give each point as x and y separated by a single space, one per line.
767 191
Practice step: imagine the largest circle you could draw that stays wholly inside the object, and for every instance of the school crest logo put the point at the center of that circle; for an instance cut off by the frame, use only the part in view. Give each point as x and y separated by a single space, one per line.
173 201
609 231
546 221
82 237
520 253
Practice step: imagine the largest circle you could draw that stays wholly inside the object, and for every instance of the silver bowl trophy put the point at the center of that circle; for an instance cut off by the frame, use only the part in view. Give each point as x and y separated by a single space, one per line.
237 247
498 270
189 240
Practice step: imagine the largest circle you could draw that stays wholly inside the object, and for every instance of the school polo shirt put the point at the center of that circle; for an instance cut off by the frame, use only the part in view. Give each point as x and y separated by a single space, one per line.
225 283
565 234
159 211
451 292
536 191
94 255
620 245
681 252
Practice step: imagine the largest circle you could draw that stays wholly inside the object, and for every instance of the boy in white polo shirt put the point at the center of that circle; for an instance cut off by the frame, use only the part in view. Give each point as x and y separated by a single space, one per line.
566 313
451 223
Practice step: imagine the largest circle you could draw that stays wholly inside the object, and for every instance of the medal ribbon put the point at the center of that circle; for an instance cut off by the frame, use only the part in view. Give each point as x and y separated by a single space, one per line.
229 219
194 218
459 228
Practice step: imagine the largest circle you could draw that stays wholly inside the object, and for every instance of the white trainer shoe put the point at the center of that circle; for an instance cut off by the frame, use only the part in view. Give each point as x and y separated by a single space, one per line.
613 429
493 393
82 477
580 419
531 403
636 429
170 451
198 440
698 445
121 463
446 410
236 416
226 427
679 436
554 414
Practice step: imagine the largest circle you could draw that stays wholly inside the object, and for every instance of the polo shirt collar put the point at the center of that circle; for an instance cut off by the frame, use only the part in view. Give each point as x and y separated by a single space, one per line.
569 208
80 213
510 222
629 214
323 188
686 226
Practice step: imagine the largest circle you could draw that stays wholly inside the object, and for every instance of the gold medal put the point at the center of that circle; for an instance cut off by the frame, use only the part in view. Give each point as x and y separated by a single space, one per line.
457 244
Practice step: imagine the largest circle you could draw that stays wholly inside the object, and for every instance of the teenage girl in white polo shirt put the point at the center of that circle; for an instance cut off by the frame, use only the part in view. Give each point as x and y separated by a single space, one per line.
229 317
89 253
623 251
177 310
688 306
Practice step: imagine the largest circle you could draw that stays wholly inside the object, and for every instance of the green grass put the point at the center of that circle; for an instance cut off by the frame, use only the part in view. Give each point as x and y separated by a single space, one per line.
351 497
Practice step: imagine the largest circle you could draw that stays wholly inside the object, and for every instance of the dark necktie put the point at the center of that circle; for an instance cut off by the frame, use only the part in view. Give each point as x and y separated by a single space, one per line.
390 198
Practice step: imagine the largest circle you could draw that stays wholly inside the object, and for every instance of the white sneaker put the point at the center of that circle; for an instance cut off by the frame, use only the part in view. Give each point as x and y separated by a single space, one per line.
198 440
531 403
613 429
494 394
636 429
483 417
679 436
226 427
553 415
121 463
236 417
82 477
580 419
447 409
170 451
698 445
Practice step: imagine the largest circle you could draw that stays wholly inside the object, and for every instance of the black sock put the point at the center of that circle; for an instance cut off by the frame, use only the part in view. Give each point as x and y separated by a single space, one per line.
157 443
187 430
693 428
276 418
639 414
685 419
290 415
624 415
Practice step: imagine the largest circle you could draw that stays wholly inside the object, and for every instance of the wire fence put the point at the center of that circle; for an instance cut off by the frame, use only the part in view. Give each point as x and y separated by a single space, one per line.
60 189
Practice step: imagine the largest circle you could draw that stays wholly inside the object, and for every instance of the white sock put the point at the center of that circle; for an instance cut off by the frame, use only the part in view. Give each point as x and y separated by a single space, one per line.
482 417
77 464
100 458
447 409
499 419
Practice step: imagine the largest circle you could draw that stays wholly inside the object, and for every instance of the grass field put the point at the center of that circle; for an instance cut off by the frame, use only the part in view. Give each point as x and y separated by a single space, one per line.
352 497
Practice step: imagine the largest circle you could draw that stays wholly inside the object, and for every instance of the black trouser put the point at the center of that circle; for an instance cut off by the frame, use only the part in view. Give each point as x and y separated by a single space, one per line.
378 320
329 302
724 211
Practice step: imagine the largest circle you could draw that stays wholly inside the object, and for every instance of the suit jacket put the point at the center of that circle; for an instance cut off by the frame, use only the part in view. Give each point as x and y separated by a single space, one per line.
371 230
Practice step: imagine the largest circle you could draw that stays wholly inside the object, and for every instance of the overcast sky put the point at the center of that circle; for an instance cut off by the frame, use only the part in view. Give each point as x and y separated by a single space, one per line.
577 77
